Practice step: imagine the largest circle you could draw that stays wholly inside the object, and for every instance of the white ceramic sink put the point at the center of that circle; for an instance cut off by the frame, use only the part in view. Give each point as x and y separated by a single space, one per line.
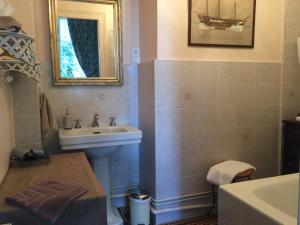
95 137
99 143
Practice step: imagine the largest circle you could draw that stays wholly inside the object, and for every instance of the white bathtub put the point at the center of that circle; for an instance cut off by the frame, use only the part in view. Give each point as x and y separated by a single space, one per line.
270 201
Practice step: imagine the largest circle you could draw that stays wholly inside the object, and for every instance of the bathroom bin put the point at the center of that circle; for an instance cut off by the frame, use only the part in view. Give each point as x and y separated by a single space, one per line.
139 207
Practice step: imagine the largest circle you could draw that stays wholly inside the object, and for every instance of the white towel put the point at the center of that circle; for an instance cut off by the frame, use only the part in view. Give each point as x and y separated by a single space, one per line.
225 172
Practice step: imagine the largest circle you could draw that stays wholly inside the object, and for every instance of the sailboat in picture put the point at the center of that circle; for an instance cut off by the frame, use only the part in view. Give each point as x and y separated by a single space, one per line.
208 22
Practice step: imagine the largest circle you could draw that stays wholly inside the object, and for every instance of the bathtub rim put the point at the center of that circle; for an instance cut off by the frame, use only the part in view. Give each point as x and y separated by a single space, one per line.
243 191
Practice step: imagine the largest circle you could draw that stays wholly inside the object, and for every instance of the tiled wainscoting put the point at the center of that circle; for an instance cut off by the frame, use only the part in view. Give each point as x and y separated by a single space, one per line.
7 136
205 113
108 101
291 75
26 111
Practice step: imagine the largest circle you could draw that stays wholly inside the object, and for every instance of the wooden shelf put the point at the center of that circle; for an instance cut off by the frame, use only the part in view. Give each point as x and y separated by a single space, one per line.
73 168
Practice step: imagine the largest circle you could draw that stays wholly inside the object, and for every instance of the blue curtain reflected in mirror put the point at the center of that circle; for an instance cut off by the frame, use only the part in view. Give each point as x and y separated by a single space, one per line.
79 55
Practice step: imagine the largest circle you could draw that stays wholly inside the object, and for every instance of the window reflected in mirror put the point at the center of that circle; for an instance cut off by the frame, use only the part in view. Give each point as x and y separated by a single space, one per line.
78 46
86 47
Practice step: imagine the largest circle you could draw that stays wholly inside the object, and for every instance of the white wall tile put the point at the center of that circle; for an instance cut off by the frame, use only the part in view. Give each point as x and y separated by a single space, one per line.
267 94
179 119
206 117
175 96
291 77
227 72
206 94
176 72
227 95
246 95
245 116
291 73
207 72
291 53
27 128
246 73
268 72
292 30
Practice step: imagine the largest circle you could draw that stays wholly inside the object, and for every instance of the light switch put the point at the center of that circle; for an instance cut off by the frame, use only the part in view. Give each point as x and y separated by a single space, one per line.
135 55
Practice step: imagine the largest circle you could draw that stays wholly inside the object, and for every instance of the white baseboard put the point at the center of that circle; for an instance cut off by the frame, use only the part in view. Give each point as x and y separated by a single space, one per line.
167 210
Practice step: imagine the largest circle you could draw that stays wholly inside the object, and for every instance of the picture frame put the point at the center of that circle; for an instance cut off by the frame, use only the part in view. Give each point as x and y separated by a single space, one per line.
221 23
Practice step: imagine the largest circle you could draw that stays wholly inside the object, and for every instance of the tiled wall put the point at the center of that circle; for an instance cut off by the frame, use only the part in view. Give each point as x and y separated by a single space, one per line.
7 136
208 112
120 102
26 112
291 77
20 117
147 125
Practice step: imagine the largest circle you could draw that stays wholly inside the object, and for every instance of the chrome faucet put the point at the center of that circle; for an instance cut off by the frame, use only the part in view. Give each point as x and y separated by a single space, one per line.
113 121
77 124
96 120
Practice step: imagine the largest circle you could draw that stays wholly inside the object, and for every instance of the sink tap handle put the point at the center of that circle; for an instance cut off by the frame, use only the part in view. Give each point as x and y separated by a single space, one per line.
113 121
96 120
77 124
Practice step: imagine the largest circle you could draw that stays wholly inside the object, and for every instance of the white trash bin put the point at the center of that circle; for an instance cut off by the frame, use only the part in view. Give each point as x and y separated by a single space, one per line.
139 207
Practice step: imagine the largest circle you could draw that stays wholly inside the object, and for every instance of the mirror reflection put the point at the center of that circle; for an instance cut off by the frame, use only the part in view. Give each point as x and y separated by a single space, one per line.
78 48
86 42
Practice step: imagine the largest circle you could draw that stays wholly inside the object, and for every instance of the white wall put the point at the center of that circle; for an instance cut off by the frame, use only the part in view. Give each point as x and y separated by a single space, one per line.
172 35
148 29
34 17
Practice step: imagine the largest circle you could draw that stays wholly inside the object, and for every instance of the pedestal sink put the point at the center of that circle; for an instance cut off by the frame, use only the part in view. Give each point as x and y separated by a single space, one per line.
98 143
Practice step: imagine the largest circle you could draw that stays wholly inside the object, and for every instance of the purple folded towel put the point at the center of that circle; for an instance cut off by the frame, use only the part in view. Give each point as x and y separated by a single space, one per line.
47 200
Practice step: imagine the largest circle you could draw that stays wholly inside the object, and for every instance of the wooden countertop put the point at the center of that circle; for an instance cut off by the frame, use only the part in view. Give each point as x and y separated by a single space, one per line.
70 168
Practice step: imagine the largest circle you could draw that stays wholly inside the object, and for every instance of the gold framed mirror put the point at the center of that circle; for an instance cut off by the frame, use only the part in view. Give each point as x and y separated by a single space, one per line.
86 42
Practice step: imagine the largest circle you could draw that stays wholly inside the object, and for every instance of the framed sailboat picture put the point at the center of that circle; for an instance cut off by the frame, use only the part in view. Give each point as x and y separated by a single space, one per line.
221 23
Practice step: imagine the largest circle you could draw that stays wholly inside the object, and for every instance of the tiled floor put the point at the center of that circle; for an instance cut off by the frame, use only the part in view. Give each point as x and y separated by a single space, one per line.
125 214
196 221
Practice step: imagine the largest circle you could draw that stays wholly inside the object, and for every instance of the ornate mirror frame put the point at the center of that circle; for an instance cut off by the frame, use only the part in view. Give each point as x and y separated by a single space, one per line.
115 80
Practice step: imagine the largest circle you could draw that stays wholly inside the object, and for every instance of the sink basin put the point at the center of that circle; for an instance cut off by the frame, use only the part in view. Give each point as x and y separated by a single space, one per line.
95 137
